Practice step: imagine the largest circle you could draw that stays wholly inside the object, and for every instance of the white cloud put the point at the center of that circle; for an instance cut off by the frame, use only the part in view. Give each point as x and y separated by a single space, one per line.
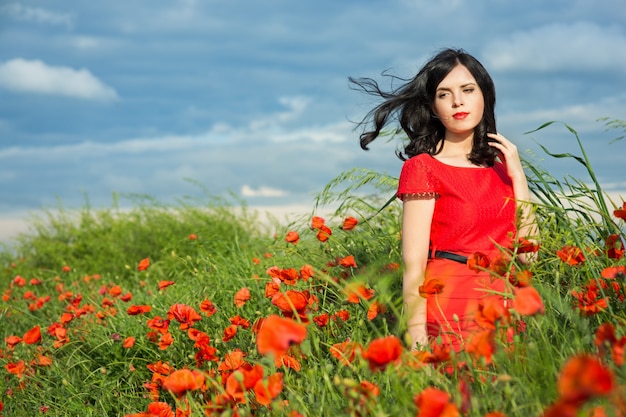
34 76
582 116
263 191
559 47
36 14
333 133
295 108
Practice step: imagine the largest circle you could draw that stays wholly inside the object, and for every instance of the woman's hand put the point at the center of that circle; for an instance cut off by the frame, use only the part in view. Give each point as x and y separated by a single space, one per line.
527 225
509 154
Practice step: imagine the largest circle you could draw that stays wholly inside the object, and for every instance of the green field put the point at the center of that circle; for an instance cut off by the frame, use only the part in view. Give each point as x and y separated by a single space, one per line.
200 309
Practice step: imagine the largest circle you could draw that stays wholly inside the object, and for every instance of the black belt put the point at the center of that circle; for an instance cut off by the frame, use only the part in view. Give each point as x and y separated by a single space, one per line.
448 255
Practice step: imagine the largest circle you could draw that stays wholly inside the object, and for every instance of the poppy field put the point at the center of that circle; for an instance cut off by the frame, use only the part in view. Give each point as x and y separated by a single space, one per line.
201 310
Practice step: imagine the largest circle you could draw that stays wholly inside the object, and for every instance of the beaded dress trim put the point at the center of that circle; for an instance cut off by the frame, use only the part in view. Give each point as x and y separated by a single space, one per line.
420 196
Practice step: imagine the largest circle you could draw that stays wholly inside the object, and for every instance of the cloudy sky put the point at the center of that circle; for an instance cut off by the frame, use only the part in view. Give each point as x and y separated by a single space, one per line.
251 97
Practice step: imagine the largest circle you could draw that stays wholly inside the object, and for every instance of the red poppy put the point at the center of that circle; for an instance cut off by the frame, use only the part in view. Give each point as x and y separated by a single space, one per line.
306 272
13 341
614 272
159 324
292 237
621 213
346 351
231 362
43 360
266 391
115 291
606 338
16 368
382 352
198 336
525 246
527 301
323 233
287 362
129 342
143 264
205 353
501 265
490 311
241 297
614 246
287 276
431 286
369 389
32 336
271 288
127 297
291 301
165 284
590 300
66 268
571 255
561 408
165 340
341 314
240 321
208 308
349 223
183 314
584 377
192 236
348 262
317 222
135 310
482 345
521 278
160 367
356 291
375 309
477 261
183 380
433 402
61 337
229 333
159 409
234 387
321 320
276 334
440 353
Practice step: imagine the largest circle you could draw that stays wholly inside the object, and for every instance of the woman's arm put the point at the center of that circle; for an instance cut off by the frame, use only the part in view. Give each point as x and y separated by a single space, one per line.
417 216
527 223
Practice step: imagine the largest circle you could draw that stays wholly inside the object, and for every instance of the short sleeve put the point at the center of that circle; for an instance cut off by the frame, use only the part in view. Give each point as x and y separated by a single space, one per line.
417 179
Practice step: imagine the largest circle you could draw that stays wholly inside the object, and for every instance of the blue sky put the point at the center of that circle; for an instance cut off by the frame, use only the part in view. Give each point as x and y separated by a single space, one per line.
252 97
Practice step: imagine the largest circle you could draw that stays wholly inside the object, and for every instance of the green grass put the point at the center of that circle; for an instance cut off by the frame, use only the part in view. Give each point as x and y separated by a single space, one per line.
93 374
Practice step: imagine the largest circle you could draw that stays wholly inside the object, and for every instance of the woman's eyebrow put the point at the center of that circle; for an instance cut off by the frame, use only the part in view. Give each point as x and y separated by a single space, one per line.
462 86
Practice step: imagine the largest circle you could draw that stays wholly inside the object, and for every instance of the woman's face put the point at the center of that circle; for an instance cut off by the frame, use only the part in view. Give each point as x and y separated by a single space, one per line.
459 102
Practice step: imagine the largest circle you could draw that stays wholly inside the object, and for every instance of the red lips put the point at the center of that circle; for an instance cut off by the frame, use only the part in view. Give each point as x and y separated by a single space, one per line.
460 115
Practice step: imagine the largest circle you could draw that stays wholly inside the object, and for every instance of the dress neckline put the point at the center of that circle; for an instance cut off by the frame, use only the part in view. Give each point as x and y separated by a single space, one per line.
455 166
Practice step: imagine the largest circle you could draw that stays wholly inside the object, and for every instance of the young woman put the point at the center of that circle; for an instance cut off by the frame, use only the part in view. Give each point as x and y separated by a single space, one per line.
463 189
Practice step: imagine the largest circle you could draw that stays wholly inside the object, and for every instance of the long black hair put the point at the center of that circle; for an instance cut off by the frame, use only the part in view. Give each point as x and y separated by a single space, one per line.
411 105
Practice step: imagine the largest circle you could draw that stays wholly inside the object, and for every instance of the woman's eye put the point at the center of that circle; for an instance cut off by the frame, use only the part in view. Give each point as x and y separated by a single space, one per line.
469 90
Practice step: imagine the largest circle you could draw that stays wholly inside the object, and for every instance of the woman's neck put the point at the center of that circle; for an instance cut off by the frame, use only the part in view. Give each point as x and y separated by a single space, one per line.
455 150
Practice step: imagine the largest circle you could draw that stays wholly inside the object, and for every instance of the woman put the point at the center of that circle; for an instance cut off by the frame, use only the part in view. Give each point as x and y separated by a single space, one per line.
463 190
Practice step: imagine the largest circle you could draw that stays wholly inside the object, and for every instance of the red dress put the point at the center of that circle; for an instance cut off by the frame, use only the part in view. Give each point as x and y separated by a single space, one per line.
475 211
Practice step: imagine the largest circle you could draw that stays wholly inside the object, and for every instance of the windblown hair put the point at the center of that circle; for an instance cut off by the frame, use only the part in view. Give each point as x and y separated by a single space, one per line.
411 105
